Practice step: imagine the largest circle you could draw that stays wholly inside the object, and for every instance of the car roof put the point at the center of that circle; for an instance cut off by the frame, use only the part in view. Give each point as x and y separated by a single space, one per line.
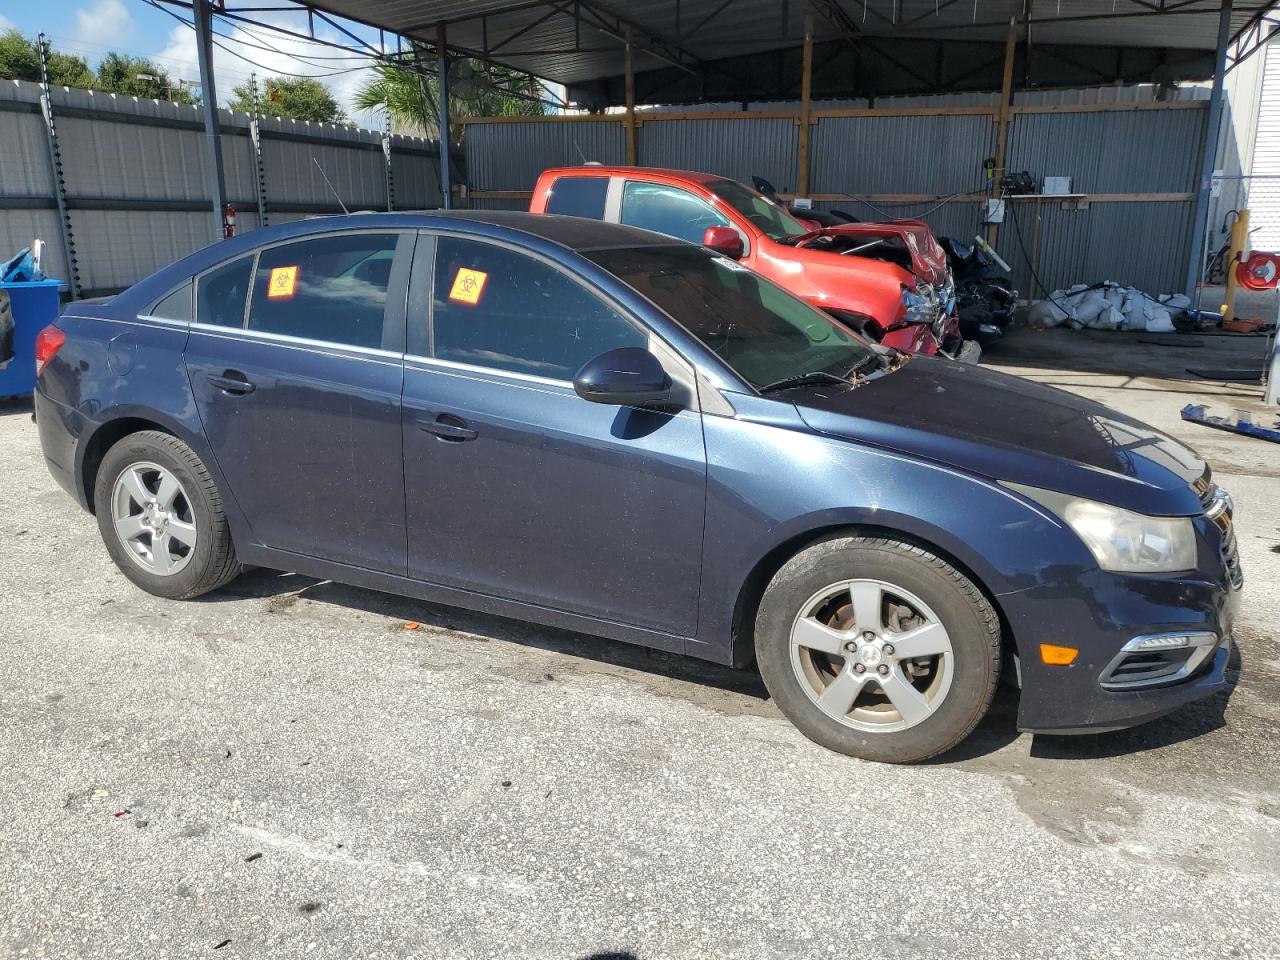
635 173
576 233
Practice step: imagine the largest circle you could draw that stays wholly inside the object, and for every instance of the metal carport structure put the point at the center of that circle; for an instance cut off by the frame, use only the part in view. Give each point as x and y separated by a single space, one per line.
677 51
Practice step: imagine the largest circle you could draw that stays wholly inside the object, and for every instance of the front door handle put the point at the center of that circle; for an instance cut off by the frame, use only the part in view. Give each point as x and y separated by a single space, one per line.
231 382
448 427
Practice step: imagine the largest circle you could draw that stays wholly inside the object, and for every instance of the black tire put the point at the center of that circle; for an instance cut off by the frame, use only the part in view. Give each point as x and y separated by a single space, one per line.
968 618
6 328
213 560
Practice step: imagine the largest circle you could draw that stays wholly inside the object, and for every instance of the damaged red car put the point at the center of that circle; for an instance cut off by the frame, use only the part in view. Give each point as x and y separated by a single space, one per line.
888 280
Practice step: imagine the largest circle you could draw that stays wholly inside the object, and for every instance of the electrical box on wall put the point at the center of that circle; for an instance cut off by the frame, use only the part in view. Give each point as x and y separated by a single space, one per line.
995 210
1056 186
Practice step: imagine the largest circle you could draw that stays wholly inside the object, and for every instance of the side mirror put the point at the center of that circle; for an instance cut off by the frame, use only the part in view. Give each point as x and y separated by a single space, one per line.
628 376
725 240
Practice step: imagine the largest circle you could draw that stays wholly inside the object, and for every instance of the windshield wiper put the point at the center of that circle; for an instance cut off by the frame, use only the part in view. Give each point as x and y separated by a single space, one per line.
800 380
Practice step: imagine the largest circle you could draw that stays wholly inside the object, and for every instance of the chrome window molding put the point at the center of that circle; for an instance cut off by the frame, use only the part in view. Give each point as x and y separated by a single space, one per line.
487 371
374 354
147 318
523 381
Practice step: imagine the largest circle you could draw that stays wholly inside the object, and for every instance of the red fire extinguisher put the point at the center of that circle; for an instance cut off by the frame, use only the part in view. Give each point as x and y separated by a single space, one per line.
228 222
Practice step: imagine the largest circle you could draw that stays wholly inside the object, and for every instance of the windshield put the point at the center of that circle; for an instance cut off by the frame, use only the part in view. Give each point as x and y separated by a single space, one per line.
764 333
776 223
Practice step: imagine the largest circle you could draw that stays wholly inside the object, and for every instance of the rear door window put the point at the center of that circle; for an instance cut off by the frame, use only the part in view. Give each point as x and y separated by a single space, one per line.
221 292
330 288
578 196
669 210
496 307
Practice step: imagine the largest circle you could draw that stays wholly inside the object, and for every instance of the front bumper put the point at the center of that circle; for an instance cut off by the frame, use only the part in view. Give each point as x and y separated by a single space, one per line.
1118 710
1106 612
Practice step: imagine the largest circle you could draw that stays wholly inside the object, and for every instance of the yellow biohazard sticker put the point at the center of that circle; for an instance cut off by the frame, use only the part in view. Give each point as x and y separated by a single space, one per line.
468 285
283 283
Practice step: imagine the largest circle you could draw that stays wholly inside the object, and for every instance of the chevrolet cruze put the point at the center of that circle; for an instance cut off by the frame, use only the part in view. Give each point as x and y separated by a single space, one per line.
598 428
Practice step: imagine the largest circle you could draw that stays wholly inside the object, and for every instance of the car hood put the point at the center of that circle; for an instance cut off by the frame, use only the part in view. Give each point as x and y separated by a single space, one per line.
1006 428
928 259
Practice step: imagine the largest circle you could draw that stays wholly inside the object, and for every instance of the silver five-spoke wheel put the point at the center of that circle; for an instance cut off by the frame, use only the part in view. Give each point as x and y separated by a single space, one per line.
152 516
871 655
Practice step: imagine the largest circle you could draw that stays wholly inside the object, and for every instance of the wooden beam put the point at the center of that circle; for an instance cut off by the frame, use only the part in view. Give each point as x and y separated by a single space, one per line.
806 86
823 113
1110 107
1002 130
551 118
631 106
920 198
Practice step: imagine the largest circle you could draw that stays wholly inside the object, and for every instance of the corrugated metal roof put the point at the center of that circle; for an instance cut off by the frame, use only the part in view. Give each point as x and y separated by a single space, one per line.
545 39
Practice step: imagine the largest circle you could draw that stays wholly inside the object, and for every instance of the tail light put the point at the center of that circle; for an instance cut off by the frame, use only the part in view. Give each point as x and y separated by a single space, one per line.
48 342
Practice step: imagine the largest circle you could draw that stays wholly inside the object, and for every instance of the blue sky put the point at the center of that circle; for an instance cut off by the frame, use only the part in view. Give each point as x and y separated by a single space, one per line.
90 28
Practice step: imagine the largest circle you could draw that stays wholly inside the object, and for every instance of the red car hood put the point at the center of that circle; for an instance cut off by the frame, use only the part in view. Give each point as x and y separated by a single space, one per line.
928 260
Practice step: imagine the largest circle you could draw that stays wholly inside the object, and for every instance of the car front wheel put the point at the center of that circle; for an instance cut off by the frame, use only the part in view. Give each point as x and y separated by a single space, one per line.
878 649
161 518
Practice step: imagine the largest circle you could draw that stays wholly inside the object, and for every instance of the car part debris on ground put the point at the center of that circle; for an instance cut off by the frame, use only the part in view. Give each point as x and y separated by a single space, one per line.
1236 421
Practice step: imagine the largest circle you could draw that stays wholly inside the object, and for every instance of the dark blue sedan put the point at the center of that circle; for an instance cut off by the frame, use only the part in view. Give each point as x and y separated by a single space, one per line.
590 426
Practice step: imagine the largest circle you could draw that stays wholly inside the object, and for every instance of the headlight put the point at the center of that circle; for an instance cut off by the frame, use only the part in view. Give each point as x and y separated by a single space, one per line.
919 305
1119 539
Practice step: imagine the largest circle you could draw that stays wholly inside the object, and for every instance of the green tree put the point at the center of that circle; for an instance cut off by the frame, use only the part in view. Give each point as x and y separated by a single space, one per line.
20 60
412 97
295 98
119 73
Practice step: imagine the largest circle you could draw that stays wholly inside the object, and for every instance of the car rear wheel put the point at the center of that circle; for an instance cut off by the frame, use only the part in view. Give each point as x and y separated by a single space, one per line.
161 518
878 649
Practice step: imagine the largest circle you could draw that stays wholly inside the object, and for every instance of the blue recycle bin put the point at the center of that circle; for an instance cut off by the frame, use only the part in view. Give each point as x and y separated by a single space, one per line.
35 306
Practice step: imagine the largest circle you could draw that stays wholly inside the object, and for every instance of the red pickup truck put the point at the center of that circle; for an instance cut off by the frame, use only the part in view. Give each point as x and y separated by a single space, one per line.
888 280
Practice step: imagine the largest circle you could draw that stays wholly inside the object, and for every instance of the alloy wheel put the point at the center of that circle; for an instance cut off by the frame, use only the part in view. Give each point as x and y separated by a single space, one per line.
152 516
872 655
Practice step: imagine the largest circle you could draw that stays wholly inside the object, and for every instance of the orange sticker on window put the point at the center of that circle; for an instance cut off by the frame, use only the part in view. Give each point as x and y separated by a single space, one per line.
283 283
468 285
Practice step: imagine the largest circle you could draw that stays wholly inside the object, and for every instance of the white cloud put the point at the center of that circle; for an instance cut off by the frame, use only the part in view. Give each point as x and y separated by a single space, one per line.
105 23
179 58
6 24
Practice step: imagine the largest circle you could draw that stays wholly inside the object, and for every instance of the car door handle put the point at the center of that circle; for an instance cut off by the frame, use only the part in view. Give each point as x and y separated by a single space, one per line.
231 382
448 427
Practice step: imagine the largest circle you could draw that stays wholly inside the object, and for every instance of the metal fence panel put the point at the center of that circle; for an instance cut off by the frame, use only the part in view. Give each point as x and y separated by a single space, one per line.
135 175
416 176
936 155
738 149
24 158
294 172
509 156
119 247
1115 151
1141 244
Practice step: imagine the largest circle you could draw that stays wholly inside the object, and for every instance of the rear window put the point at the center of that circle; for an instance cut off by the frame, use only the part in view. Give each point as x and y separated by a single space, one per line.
578 196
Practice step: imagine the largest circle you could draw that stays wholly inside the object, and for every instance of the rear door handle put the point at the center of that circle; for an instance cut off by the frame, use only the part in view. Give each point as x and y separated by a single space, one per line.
231 382
448 427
